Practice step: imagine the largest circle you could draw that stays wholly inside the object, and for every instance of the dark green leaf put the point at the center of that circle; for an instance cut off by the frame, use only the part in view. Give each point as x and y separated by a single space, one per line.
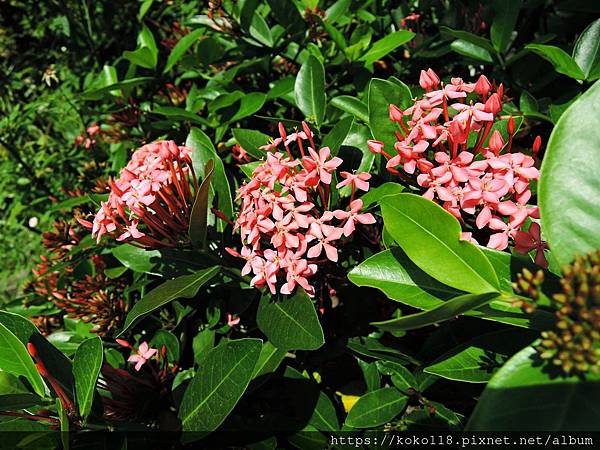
471 50
182 46
310 90
269 360
15 359
401 376
376 408
386 45
477 360
218 385
471 38
524 396
337 135
164 338
569 188
430 236
12 402
324 417
146 55
199 215
445 311
185 286
506 13
587 51
370 374
291 322
351 105
382 93
561 61
251 140
135 258
86 368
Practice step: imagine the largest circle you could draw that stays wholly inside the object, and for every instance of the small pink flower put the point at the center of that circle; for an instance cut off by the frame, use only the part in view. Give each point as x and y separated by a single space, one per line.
232 320
144 353
358 180
319 167
352 216
324 237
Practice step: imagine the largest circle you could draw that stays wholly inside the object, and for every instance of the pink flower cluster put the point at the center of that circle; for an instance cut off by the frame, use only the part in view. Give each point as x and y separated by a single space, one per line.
440 149
150 203
88 140
286 221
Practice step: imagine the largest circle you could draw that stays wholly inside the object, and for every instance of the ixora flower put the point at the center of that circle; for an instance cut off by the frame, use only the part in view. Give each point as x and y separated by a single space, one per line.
448 148
149 204
287 224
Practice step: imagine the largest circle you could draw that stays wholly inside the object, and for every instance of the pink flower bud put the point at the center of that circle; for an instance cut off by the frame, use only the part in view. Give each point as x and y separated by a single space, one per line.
433 77
425 81
493 104
282 132
511 126
483 86
375 146
395 113
496 142
537 143
458 132
500 91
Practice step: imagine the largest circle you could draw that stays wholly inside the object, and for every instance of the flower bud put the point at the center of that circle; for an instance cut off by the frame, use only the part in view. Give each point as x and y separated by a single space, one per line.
483 86
537 143
493 104
500 91
496 142
511 126
32 350
425 81
395 113
434 78
375 146
282 132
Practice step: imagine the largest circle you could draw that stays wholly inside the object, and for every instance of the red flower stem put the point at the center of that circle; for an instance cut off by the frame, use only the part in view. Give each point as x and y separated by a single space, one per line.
445 106
30 417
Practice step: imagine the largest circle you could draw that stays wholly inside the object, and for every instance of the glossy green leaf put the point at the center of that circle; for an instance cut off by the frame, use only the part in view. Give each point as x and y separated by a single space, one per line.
21 327
251 140
447 310
185 286
164 338
477 360
177 114
471 50
290 322
561 61
370 374
587 51
524 396
324 417
310 90
249 104
135 258
199 216
382 93
203 151
376 408
474 39
218 385
12 402
430 236
99 93
337 135
351 105
401 376
287 14
269 360
569 187
377 194
337 10
182 46
505 16
260 31
386 45
86 368
146 55
15 359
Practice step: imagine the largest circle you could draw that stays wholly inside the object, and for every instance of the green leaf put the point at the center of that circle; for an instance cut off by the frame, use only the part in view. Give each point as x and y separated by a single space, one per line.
260 31
324 417
569 187
164 338
99 93
86 368
203 151
400 279
309 90
471 38
447 310
199 216
587 51
251 140
12 402
269 360
185 286
18 325
376 195
382 93
337 135
376 408
505 16
249 104
386 45
287 14
477 360
561 61
524 396
146 55
179 114
218 385
430 236
182 46
291 322
135 258
370 374
15 359
401 376
337 10
471 50
351 105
